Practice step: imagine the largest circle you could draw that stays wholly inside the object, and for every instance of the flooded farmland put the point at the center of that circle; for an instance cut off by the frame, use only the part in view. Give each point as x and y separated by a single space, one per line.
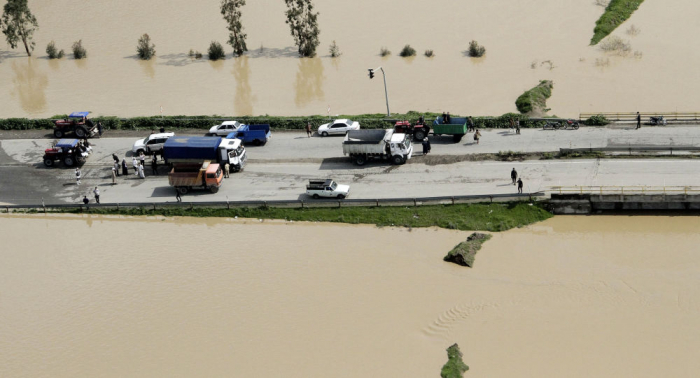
525 42
120 296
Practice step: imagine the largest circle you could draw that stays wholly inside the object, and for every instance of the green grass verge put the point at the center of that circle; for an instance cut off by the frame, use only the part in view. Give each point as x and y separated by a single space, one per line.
487 217
535 98
454 367
617 12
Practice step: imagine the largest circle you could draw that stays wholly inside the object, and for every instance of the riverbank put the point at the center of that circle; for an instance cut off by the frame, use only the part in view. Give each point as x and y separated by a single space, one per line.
477 217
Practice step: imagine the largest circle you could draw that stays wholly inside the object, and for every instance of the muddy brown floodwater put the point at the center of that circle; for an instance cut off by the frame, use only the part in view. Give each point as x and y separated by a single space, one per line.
526 41
86 296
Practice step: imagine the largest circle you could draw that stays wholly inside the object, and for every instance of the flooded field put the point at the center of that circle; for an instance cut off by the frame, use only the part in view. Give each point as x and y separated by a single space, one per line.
144 297
525 42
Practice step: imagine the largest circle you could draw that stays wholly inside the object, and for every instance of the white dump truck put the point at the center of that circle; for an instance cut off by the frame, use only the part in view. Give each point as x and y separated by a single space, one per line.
362 145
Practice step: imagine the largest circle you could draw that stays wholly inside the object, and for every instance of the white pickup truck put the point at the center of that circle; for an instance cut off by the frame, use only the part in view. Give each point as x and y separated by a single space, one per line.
327 188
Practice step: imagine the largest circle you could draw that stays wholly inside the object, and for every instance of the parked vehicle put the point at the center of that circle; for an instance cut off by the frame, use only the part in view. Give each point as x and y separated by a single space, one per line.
417 131
658 120
338 127
571 124
151 144
327 188
255 134
200 149
224 128
551 125
362 145
456 128
185 177
67 151
76 124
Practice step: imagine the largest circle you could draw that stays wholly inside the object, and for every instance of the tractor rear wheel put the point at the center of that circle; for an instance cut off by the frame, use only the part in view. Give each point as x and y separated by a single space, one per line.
419 134
48 161
80 132
69 161
58 133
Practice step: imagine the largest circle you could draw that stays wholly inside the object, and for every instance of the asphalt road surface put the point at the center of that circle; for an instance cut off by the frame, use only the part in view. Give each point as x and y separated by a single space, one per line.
280 169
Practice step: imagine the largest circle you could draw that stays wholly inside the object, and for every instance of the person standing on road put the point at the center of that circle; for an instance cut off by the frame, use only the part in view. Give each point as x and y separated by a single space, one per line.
227 169
517 127
136 165
142 157
125 169
154 165
99 128
177 196
116 167
308 129
513 175
77 176
140 172
115 158
115 172
520 186
86 200
425 145
97 195
470 124
477 135
512 124
639 121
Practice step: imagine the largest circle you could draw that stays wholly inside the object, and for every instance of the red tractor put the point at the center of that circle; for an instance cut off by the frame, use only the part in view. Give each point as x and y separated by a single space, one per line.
77 123
67 151
419 131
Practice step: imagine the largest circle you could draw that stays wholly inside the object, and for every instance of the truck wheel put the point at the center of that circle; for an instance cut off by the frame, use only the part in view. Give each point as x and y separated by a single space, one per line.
214 189
324 134
257 142
340 196
58 134
397 159
457 137
182 190
420 134
316 196
48 162
360 159
80 132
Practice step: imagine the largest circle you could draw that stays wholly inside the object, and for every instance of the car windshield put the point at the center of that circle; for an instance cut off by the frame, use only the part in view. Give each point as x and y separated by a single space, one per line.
144 141
334 185
348 122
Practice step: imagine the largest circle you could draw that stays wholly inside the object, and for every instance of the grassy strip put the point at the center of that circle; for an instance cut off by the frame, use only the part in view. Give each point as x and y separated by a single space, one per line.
454 367
368 121
535 98
617 12
487 217
464 252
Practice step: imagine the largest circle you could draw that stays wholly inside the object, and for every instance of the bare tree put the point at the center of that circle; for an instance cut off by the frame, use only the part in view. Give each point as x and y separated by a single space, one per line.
303 23
231 10
18 23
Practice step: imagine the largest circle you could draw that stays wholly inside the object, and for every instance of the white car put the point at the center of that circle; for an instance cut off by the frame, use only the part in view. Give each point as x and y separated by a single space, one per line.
327 188
339 126
225 128
151 143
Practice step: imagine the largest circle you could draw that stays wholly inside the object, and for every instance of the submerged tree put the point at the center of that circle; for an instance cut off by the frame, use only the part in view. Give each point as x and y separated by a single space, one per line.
231 10
18 23
454 367
144 48
303 23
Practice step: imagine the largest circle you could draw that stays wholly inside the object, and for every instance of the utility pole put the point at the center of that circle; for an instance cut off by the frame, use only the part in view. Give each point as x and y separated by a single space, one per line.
386 93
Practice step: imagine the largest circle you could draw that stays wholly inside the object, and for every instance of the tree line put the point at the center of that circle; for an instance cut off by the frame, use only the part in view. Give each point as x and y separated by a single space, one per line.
19 24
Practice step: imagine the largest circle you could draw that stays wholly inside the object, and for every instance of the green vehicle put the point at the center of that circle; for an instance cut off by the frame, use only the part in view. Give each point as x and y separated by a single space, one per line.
457 128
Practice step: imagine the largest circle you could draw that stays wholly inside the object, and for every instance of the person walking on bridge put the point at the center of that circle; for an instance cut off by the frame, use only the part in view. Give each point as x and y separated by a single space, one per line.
513 175
520 186
639 121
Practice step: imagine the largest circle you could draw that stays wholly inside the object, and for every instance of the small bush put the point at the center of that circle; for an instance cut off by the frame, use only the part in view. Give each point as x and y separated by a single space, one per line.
476 51
616 45
334 50
195 54
428 53
384 51
53 52
455 366
407 51
596 120
633 30
145 49
216 51
79 51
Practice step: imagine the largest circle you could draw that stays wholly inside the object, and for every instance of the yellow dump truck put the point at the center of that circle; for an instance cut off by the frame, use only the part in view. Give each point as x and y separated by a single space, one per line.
187 176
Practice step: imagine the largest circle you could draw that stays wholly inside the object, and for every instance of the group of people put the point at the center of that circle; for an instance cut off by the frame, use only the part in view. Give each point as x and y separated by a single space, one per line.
516 180
446 119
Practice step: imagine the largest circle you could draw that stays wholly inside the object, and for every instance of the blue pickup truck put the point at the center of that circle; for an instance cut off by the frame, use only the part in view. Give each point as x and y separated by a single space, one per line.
258 135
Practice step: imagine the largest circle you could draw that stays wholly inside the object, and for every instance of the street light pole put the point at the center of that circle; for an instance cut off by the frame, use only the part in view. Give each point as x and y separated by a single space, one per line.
386 93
